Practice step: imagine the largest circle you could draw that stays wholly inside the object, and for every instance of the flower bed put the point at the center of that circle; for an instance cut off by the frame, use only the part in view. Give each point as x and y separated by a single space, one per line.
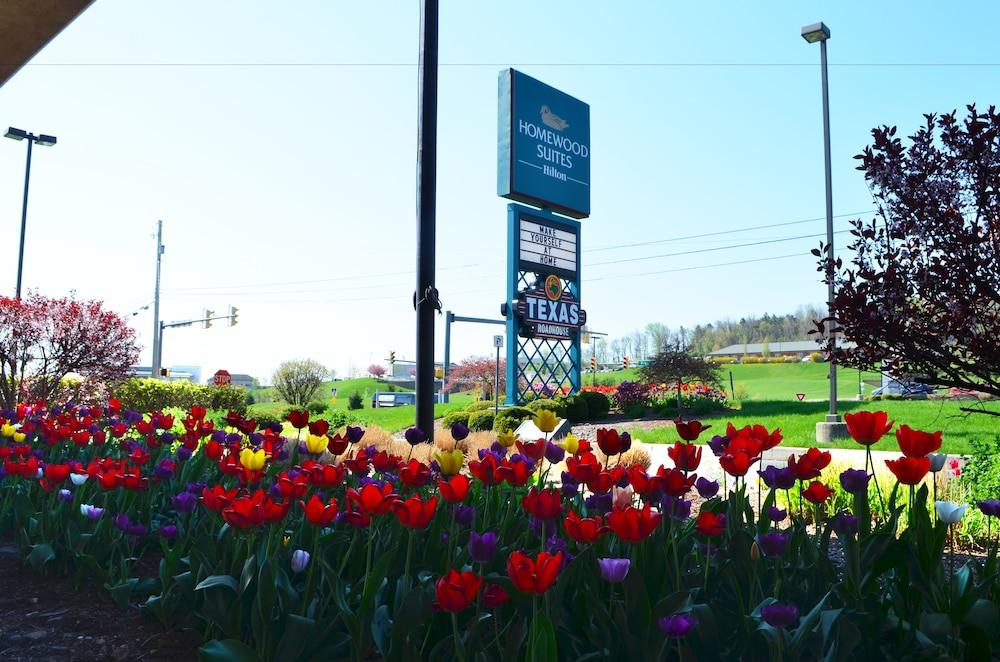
325 548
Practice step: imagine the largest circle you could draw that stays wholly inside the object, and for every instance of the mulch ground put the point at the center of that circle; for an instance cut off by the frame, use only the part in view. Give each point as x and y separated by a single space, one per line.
43 618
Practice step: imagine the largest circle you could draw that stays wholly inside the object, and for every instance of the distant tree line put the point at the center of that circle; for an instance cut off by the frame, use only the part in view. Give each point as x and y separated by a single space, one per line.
701 339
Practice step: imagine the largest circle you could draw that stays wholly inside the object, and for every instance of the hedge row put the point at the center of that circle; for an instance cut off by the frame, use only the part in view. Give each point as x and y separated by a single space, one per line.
155 395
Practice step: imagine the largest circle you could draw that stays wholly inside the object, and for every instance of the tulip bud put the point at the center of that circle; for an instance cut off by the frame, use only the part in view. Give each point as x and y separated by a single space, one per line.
754 552
300 560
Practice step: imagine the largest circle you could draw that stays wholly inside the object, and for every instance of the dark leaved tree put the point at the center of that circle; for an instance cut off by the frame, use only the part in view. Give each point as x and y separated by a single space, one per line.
55 349
675 362
921 294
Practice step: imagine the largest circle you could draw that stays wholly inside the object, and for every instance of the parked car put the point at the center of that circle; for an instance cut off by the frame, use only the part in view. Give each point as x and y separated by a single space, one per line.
905 390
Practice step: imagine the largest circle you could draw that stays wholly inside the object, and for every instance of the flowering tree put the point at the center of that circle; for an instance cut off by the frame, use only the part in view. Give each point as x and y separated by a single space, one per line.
43 340
922 292
476 372
377 371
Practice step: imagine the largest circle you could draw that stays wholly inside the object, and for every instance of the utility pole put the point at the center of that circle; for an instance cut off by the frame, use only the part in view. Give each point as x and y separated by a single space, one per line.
157 331
425 298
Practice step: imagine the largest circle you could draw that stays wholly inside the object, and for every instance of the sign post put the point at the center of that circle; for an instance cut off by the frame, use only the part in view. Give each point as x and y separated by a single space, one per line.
543 160
222 378
498 343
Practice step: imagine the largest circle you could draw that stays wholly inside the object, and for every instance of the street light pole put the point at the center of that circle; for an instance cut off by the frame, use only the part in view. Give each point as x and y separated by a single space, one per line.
19 134
821 33
157 331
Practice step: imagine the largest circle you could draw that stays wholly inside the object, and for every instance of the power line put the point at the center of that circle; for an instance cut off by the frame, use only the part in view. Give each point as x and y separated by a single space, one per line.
637 65
700 266
713 249
721 232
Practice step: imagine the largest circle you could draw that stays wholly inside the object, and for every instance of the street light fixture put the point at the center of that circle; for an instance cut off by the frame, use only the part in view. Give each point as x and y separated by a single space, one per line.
819 32
45 141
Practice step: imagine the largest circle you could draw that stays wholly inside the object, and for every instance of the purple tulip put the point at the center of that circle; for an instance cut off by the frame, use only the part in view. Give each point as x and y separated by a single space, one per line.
614 570
168 531
767 474
773 543
465 515
778 615
990 507
718 444
482 547
195 488
183 454
678 626
855 481
555 545
354 434
185 502
137 530
234 438
122 522
415 436
498 449
219 436
845 523
163 470
676 508
300 560
65 495
599 503
706 488
776 514
93 513
707 549
459 431
569 485
553 453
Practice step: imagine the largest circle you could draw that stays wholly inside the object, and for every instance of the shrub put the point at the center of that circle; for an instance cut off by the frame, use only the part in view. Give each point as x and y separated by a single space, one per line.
555 406
339 419
154 394
576 408
480 406
354 401
456 417
316 407
816 357
636 411
481 420
631 394
722 360
981 474
598 404
508 419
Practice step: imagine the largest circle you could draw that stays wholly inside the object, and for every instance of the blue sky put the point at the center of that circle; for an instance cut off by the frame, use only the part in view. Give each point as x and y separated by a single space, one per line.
277 143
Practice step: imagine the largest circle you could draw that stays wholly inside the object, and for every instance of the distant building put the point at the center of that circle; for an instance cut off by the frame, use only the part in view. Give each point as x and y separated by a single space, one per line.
799 348
239 379
190 373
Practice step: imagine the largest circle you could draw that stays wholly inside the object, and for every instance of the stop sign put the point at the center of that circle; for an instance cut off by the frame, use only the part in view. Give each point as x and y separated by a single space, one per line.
222 378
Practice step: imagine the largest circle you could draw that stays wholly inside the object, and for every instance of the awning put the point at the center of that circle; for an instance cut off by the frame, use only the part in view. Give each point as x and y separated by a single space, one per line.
26 26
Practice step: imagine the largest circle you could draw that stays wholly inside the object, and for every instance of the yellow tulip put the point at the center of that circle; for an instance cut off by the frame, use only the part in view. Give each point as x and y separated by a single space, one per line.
546 421
252 460
19 437
506 439
450 461
316 443
571 444
7 430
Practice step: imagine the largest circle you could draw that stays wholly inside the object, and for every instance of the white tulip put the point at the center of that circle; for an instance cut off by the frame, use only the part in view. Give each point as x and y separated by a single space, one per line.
948 512
78 479
937 461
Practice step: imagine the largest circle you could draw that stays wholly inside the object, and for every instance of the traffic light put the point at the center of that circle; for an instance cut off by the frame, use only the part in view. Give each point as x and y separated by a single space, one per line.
593 364
392 358
439 373
625 362
208 317
232 315
164 372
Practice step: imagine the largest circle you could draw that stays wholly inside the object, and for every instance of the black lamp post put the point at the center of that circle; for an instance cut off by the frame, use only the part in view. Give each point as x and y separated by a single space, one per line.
47 141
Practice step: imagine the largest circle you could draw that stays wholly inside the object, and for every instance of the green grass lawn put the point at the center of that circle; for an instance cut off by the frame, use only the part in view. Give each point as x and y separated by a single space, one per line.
771 381
797 421
392 419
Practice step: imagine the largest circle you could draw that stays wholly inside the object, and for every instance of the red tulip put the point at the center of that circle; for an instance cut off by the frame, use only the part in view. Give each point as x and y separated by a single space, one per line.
215 498
494 595
641 482
293 488
56 473
543 504
515 472
674 482
758 434
689 430
456 590
909 470
534 575
357 465
319 427
324 475
372 500
737 462
455 489
686 457
385 462
810 464
817 492
584 467
633 525
584 529
867 427
710 524
602 482
415 513
245 512
319 513
533 450
337 444
298 418
414 474
486 470
611 443
197 412
917 443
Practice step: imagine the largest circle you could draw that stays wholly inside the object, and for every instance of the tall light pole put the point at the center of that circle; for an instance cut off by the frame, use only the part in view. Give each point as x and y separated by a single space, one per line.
818 32
157 332
46 141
